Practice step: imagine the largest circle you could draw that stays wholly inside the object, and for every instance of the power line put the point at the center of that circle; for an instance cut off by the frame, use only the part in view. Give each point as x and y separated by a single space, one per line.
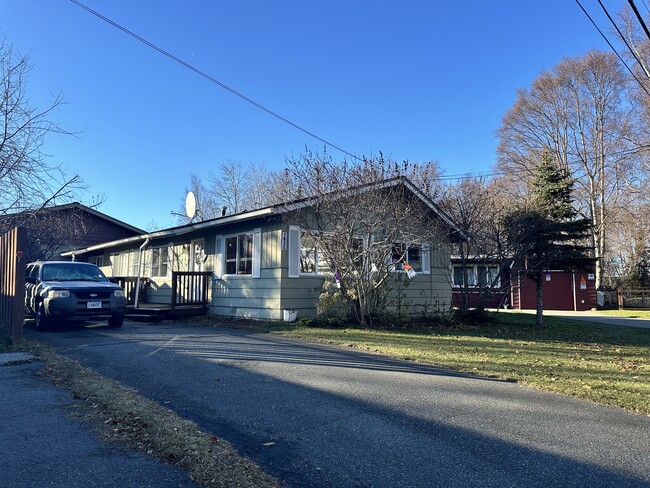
634 54
638 16
212 79
613 49
646 6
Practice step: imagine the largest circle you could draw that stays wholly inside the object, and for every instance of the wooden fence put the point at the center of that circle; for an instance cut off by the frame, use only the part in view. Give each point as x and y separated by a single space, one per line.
633 298
12 283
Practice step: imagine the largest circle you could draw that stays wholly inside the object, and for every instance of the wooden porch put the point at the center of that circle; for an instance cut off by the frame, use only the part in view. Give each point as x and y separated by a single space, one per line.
189 296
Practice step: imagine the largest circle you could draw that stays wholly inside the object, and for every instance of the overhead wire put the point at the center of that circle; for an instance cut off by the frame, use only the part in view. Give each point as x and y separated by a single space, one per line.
213 80
612 47
646 6
639 17
632 51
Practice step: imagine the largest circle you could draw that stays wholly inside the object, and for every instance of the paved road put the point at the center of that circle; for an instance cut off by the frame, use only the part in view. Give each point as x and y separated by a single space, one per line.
590 316
42 444
319 416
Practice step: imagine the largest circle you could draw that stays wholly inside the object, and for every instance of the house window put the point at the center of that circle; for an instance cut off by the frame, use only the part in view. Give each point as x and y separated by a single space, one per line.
159 261
312 259
477 276
239 254
412 255
134 262
97 261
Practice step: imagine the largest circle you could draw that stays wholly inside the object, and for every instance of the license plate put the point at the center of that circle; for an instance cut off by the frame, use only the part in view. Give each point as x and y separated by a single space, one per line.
94 305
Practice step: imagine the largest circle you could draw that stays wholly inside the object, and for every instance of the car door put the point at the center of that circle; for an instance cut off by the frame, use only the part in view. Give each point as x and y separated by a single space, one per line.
31 287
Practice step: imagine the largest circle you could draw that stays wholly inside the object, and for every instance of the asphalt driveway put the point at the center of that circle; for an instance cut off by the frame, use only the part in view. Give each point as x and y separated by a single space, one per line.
319 416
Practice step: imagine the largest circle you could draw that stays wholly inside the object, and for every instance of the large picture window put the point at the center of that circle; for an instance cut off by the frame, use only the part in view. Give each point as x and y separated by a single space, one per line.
477 276
239 254
312 260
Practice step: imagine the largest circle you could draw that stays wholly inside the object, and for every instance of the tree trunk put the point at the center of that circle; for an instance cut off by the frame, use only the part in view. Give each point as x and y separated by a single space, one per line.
539 316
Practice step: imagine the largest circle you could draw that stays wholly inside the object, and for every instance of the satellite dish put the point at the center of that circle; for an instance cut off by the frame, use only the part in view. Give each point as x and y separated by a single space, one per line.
190 205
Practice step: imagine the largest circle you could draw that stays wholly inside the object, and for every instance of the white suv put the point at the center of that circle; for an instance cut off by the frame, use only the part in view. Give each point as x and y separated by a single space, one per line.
64 290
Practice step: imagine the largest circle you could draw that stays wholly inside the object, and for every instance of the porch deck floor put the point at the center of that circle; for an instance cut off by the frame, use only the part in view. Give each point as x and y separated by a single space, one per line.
164 310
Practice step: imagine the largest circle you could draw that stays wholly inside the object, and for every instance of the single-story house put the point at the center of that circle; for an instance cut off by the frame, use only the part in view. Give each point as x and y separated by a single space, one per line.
257 264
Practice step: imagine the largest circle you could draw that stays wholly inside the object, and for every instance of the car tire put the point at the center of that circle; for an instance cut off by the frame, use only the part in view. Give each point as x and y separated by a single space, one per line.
116 320
41 320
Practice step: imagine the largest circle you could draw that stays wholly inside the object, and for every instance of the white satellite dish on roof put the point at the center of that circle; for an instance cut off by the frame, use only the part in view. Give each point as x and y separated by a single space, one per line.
190 205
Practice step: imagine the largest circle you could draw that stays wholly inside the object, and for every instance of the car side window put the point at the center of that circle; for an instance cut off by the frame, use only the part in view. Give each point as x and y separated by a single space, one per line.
34 273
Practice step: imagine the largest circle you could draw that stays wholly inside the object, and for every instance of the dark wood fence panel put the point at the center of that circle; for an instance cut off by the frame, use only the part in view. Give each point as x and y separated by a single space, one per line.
12 283
128 283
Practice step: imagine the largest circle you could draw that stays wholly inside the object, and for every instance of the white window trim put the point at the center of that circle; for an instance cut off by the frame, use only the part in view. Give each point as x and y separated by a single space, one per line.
220 251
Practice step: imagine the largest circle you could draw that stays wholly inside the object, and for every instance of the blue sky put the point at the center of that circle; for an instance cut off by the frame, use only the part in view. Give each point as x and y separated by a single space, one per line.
417 80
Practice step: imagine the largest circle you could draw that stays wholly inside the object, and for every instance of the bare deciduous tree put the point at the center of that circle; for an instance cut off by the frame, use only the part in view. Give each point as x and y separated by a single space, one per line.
363 225
577 111
477 207
27 181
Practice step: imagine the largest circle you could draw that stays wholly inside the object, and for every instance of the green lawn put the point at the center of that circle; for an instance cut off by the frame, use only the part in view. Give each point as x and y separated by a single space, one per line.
630 313
596 362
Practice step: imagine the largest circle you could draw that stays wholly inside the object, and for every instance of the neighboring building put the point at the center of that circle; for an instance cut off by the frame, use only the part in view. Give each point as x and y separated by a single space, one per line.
512 288
259 262
55 230
486 283
563 290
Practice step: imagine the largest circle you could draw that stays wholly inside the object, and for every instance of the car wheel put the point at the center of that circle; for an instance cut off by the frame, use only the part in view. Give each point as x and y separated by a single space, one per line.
116 320
41 320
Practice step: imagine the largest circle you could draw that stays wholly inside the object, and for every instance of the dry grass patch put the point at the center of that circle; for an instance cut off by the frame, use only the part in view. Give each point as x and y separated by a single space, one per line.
147 426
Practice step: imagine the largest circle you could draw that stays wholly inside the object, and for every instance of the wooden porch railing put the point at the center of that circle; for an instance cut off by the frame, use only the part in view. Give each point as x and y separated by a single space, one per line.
128 283
190 288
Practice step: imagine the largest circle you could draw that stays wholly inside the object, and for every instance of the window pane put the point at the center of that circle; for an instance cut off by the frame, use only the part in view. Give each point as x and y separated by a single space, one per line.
397 252
164 260
155 262
414 258
482 276
323 265
245 255
471 276
231 255
231 248
458 276
493 276
307 254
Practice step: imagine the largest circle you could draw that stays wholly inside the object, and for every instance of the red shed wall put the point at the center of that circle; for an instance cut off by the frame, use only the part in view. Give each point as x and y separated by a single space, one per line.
559 288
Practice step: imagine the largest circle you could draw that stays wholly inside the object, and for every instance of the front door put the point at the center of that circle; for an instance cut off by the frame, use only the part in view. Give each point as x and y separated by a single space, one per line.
197 255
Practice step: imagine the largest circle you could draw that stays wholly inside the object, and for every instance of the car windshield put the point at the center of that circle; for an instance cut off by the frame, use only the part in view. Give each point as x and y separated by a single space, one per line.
72 272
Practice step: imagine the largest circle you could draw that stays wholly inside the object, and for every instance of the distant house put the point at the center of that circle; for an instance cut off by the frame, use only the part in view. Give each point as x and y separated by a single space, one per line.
512 288
57 229
256 263
483 280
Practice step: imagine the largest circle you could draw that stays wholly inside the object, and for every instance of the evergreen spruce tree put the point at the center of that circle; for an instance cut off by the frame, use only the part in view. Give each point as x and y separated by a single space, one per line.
548 232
